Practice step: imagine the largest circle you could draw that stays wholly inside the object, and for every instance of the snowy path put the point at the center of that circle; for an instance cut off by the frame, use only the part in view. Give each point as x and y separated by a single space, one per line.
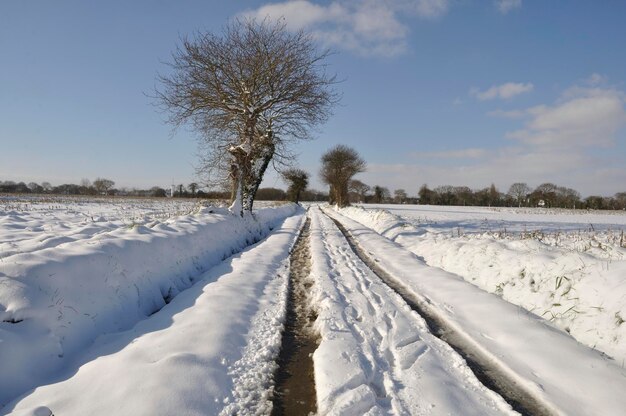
377 356
564 375
210 351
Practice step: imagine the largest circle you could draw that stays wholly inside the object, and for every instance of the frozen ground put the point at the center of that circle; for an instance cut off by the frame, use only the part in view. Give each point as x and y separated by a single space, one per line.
566 266
183 313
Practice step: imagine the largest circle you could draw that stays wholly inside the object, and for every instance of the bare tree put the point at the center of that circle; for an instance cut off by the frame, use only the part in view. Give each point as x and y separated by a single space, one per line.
358 189
248 92
546 192
399 196
297 181
620 199
463 195
193 187
381 194
427 196
519 192
103 185
35 187
339 165
567 197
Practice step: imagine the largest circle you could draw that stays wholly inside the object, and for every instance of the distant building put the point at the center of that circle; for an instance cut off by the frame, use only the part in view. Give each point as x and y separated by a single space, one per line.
541 203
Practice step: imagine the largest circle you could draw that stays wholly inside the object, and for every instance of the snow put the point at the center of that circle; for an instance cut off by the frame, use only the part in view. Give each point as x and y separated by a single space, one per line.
567 376
56 299
376 355
143 307
513 219
573 277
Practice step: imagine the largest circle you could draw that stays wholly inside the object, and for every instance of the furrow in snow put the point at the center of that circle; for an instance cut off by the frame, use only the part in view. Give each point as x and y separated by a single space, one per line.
294 393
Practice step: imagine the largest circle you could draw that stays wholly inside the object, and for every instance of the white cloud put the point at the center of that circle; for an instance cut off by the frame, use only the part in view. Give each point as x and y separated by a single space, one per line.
504 91
299 13
596 79
569 142
507 113
426 8
505 6
504 167
367 27
471 153
583 117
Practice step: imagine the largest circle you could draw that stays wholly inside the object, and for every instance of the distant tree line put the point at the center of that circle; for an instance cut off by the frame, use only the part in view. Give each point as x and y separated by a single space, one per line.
518 195
102 186
547 195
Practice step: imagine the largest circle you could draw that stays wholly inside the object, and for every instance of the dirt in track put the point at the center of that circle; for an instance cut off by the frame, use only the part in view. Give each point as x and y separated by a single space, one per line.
294 393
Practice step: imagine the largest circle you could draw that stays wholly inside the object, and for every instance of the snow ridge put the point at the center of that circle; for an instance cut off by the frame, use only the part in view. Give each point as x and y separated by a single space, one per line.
56 301
561 372
576 280
209 351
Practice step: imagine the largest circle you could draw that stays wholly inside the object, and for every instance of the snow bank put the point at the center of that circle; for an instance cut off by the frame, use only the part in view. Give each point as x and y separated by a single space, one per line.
567 376
55 301
212 350
576 280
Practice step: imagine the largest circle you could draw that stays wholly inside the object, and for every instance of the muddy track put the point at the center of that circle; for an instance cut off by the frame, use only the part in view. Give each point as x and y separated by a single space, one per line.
486 371
294 393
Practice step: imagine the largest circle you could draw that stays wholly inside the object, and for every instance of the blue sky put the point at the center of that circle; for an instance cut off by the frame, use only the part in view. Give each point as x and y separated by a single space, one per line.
459 92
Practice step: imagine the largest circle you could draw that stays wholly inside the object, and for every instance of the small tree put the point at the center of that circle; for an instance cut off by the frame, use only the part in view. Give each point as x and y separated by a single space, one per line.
157 191
620 200
519 192
381 194
358 189
47 187
399 196
427 196
247 92
193 187
297 181
546 192
35 187
103 185
339 165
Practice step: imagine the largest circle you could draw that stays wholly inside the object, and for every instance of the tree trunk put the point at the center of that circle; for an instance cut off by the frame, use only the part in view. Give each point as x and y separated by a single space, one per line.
258 161
250 161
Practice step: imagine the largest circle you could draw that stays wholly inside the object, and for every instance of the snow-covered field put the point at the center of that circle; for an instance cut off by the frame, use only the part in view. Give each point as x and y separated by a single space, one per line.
159 307
566 266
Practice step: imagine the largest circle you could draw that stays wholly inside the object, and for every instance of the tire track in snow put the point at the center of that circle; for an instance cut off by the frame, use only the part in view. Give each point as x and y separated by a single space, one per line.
375 367
485 370
390 363
294 393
